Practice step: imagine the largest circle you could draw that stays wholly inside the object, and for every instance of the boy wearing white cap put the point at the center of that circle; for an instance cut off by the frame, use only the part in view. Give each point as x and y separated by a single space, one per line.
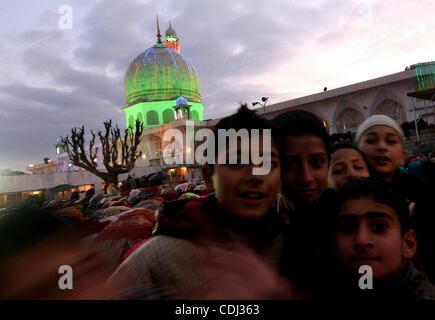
381 139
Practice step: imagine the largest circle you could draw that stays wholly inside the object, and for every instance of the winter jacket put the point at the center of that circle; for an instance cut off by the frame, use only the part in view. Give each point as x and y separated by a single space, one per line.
411 285
173 259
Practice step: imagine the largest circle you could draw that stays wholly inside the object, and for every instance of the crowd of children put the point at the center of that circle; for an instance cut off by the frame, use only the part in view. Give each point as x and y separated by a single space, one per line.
316 240
304 230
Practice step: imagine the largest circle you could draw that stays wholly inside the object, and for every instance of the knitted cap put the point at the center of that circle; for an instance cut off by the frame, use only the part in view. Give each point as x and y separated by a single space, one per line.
378 120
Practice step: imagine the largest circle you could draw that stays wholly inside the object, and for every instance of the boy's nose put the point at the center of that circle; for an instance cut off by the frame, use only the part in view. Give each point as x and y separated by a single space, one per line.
306 175
255 179
351 174
381 145
362 238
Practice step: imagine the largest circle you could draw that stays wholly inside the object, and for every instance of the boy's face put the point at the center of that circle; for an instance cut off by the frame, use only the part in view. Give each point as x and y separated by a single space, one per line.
369 233
346 164
383 149
304 169
243 194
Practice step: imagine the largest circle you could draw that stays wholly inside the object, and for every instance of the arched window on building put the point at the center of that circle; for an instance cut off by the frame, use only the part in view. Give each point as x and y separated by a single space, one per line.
168 115
348 120
140 117
392 109
152 118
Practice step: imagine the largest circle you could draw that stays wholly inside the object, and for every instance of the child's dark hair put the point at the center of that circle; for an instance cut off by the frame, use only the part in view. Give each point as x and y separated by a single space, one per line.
244 118
345 145
301 123
380 191
348 145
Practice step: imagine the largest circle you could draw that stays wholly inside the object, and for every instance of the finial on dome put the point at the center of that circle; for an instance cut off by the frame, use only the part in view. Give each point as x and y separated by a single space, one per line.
170 32
159 36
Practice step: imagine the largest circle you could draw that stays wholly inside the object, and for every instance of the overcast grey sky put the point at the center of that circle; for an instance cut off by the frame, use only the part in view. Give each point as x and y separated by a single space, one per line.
52 79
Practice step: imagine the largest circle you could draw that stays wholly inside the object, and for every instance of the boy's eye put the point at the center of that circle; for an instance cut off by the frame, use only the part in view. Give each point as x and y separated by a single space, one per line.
290 163
392 141
318 162
379 227
371 140
337 169
346 227
337 172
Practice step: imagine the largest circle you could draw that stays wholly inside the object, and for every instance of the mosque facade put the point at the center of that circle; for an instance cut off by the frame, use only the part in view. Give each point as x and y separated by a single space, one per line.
162 85
406 96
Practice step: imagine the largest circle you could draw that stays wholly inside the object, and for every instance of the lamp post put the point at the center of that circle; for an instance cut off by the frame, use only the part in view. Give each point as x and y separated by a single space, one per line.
264 100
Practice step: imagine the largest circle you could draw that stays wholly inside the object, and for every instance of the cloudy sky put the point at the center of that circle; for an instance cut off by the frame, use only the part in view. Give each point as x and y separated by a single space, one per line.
52 78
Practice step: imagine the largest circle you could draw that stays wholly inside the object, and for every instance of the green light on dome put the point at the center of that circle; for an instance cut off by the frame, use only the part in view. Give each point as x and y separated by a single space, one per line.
159 112
171 39
160 74
154 81
425 76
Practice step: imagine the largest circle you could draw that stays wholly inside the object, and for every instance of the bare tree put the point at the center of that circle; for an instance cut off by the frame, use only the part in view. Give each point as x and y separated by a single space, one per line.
119 152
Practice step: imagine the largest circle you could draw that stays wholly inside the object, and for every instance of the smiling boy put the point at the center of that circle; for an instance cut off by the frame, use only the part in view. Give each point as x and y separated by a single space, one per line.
381 139
240 211
305 154
347 163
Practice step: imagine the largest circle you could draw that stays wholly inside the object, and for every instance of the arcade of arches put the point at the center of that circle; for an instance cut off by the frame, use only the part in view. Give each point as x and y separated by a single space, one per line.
349 119
152 117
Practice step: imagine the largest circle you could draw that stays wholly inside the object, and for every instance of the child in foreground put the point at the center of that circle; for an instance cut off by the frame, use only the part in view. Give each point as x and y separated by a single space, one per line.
372 228
224 246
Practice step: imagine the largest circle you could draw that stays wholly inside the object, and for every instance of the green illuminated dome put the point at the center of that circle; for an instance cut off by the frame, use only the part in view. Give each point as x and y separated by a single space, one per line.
161 85
160 74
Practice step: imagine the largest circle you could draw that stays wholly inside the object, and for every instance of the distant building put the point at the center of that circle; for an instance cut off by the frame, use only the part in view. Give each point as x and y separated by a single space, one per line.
41 168
404 96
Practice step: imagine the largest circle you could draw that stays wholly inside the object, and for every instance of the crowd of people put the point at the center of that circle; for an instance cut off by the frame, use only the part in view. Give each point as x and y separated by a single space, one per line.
301 231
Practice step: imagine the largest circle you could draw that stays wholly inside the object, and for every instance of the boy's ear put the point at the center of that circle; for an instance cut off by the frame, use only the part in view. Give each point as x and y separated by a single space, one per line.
409 245
207 172
404 156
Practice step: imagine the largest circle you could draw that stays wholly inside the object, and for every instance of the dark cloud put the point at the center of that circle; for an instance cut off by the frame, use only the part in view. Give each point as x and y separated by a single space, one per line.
81 72
263 39
115 32
33 122
67 95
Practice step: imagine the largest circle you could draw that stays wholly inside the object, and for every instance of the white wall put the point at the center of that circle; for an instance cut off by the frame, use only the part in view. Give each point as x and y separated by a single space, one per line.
50 180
